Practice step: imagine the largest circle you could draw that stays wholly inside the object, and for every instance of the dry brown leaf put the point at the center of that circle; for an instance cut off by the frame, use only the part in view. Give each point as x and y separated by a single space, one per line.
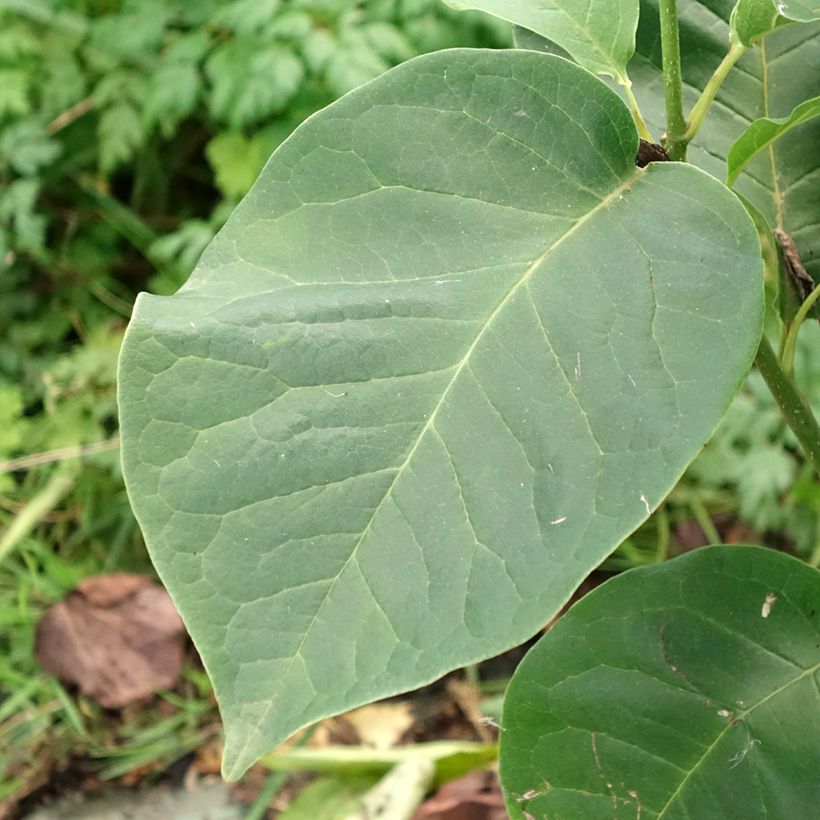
475 796
381 725
117 637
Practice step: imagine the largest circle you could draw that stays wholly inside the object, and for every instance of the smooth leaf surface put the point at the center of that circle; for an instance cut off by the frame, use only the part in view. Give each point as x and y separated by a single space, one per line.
763 132
448 352
753 19
599 34
683 690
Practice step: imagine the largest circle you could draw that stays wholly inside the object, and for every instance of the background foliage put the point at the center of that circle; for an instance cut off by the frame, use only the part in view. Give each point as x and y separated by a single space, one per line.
129 129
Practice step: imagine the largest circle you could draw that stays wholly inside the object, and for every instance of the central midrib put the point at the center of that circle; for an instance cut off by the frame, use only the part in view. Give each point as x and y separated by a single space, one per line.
521 282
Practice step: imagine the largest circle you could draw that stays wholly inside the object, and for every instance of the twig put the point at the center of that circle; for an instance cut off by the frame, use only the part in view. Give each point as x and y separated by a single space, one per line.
70 115
63 454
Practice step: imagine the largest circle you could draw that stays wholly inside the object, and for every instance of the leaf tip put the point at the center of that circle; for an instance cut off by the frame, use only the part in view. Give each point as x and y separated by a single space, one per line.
238 756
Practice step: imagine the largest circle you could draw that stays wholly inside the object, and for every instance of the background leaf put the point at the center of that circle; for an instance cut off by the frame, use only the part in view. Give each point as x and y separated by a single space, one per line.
599 34
761 133
410 399
688 689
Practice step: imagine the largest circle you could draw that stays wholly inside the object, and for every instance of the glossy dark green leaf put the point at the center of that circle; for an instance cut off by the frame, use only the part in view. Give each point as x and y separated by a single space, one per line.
680 691
448 352
599 34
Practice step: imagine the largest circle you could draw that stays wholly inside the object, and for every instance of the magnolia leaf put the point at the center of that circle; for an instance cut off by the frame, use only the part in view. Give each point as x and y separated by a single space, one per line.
599 34
688 689
753 19
448 352
761 133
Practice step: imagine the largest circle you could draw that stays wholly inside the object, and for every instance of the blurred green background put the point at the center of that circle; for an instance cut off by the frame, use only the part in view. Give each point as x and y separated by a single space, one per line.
129 129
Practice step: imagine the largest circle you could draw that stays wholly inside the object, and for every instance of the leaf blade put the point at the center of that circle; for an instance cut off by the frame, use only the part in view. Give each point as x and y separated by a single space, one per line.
268 407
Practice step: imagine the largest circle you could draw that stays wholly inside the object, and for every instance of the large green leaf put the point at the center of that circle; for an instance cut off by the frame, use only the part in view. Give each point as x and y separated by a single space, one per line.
599 34
684 690
770 81
448 352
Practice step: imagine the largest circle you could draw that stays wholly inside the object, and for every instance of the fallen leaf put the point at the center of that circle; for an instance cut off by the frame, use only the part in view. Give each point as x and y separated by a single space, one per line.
476 796
381 725
468 698
117 637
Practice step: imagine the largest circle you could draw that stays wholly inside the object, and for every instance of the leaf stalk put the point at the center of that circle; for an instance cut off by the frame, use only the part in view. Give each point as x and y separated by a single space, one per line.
698 113
793 407
790 342
640 123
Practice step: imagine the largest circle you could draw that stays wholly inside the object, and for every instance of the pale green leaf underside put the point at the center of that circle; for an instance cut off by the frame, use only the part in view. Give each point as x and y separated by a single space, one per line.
762 133
447 353
599 34
683 691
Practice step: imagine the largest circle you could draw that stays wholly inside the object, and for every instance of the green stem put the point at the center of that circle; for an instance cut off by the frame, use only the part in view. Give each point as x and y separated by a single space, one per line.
704 519
790 343
796 413
698 113
672 85
640 123
664 534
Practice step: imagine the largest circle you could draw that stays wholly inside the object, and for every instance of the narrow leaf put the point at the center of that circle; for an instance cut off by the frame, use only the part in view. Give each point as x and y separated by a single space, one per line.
448 352
599 34
761 133
683 690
